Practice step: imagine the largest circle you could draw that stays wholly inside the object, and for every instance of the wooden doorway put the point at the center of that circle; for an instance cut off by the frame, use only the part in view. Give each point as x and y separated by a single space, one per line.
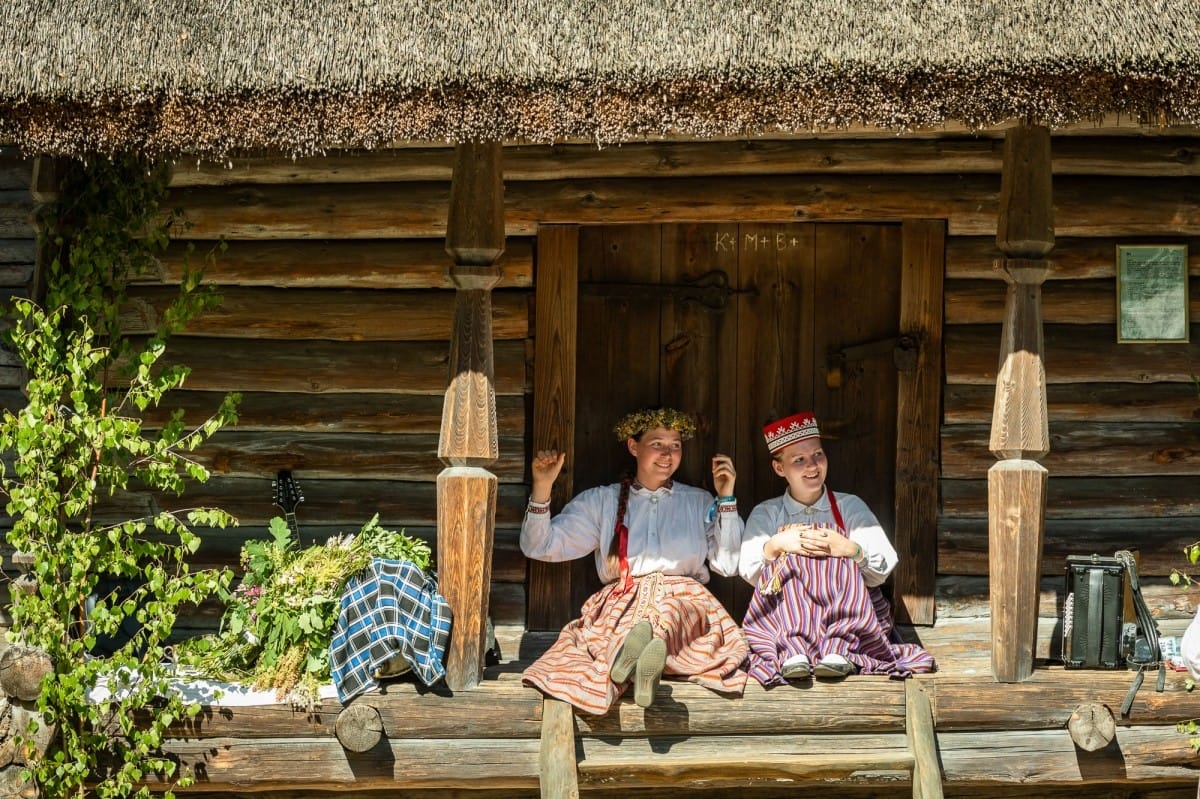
740 324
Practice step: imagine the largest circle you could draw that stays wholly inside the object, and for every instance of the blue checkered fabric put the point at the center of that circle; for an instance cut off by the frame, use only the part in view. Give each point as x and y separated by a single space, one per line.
392 608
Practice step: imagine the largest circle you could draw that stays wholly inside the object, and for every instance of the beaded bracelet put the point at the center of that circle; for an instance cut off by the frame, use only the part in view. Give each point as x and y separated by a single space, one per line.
859 556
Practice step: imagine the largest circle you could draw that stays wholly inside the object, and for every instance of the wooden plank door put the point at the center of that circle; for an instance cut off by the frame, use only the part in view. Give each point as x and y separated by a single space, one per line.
740 324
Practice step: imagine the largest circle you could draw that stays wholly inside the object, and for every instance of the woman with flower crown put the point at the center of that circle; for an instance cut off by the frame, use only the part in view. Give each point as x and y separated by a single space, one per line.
654 541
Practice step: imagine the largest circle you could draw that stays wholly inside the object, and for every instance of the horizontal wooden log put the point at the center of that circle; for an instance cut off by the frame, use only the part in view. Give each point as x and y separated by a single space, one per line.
875 705
19 252
1047 700
1081 449
330 413
1084 402
1079 302
334 502
336 315
404 264
966 597
1163 157
16 214
12 377
16 173
974 257
1049 757
1087 497
393 367
222 548
16 275
1073 354
743 762
1085 206
502 708
255 765
963 543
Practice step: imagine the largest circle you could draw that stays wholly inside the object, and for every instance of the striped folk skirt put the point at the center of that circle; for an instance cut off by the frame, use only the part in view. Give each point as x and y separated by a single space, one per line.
823 607
704 643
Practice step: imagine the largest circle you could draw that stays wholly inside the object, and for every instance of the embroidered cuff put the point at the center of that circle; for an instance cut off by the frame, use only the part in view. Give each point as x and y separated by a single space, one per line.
538 507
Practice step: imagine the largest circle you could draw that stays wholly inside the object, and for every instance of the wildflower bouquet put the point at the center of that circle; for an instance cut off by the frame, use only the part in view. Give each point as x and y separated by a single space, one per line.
280 619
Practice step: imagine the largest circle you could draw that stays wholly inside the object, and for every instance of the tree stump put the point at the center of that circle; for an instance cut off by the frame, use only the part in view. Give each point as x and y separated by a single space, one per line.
1092 726
21 671
359 728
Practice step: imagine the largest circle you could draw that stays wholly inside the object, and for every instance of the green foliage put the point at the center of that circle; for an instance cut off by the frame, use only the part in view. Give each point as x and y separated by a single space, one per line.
79 441
280 620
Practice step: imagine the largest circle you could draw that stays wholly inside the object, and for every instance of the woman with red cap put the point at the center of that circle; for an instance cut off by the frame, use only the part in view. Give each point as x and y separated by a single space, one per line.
817 559
654 541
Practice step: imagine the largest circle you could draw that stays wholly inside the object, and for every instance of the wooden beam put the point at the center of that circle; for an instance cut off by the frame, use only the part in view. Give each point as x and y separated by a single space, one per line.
1085 206
1020 428
337 263
1091 258
1126 449
922 740
1026 216
556 760
1088 497
963 544
320 367
468 443
556 339
1075 354
1020 432
413 414
290 314
475 223
1063 302
1016 513
957 153
1154 403
672 764
918 418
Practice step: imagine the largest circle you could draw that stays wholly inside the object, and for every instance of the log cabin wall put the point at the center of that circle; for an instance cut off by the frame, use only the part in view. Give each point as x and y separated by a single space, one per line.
18 242
337 314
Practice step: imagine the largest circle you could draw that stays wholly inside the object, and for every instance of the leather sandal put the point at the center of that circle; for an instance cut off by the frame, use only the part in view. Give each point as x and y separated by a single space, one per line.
649 672
627 656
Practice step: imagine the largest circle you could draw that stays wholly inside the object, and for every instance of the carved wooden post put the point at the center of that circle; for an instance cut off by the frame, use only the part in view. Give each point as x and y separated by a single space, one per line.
1020 432
469 443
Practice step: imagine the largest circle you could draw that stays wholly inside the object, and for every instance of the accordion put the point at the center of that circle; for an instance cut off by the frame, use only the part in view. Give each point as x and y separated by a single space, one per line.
1094 629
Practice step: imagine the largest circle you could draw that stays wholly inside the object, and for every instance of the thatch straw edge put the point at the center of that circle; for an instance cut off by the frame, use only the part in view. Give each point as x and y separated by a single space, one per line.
313 122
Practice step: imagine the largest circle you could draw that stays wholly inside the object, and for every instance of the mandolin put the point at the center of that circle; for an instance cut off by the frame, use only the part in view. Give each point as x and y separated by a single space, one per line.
287 496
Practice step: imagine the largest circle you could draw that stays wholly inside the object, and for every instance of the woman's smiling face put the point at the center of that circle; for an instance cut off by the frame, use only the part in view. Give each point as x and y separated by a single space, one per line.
803 465
658 454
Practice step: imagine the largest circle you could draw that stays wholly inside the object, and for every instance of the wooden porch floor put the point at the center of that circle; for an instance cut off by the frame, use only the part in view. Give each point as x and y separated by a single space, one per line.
861 737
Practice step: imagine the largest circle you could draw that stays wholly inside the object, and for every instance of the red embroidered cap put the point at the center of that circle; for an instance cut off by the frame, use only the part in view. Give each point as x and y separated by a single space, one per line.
790 430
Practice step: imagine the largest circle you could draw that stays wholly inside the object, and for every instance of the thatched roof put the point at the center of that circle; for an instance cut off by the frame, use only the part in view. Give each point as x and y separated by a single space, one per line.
214 76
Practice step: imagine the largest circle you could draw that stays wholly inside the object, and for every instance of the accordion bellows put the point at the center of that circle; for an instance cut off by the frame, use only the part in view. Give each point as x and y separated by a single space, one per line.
1093 615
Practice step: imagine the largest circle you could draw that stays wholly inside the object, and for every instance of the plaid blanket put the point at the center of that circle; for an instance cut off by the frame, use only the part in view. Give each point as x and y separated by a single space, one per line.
392 609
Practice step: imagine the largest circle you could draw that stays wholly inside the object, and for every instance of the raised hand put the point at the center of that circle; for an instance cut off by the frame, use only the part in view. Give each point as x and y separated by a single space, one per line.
724 475
546 466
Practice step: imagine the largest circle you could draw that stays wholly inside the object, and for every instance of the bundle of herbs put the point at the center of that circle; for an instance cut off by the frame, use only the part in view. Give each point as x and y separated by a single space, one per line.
281 617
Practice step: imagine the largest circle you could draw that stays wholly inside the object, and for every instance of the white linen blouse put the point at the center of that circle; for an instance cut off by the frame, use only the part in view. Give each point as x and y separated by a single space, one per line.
861 526
669 532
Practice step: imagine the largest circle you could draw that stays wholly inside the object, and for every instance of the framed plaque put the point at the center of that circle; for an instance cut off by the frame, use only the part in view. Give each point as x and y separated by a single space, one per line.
1152 293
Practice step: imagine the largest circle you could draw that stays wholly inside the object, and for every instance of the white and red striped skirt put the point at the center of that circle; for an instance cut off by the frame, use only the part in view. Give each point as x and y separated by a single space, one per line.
704 643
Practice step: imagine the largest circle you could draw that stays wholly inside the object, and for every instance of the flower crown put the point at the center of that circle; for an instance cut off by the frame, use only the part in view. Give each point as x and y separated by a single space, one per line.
638 422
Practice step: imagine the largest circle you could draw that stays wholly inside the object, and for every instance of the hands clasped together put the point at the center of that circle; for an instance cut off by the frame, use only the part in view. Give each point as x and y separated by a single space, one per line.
810 540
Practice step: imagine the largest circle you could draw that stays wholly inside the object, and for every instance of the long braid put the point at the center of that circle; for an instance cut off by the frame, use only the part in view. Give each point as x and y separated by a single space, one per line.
619 529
